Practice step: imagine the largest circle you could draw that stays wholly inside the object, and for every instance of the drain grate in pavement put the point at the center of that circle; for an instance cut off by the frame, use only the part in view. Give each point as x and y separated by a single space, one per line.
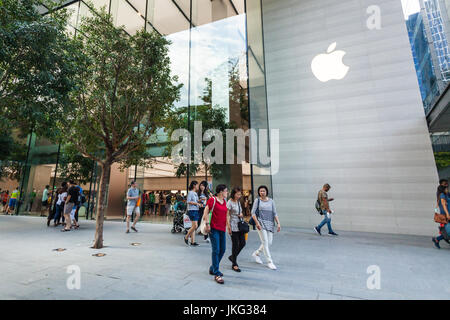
99 254
60 249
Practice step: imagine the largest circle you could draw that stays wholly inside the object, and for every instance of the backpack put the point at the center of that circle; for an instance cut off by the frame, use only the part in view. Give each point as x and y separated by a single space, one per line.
317 206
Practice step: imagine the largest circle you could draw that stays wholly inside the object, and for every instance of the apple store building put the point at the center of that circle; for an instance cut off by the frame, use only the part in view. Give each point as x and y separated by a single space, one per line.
335 79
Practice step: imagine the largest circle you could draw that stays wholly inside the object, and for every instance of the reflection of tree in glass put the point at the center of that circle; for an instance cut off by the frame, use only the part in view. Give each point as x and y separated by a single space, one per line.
213 117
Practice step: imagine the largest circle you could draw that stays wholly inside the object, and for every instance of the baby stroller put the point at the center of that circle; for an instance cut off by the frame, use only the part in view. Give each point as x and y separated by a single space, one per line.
178 224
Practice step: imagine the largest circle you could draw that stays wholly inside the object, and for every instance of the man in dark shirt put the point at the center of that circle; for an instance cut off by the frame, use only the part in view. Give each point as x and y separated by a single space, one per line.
71 201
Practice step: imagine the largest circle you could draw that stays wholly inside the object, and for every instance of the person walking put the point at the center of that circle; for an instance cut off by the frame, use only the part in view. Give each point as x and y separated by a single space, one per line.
71 201
444 208
444 183
151 199
235 214
325 209
61 193
31 198
265 215
216 227
132 206
5 197
13 201
203 195
193 212
44 200
156 203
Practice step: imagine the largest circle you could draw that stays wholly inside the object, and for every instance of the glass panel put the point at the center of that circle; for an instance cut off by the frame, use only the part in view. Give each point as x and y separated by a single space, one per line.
73 11
166 17
39 173
184 5
257 89
127 16
100 4
219 81
207 11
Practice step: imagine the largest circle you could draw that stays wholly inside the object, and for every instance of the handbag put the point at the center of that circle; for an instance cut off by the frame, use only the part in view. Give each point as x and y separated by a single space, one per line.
440 218
252 221
242 225
203 223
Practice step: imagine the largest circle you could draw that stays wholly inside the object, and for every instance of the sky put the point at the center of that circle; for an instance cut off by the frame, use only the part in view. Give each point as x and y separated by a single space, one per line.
410 7
212 45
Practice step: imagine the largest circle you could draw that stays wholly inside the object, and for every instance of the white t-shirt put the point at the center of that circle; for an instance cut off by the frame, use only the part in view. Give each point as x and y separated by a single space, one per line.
61 197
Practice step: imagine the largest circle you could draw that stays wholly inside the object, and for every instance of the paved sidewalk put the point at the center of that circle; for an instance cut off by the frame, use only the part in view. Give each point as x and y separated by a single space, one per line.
163 267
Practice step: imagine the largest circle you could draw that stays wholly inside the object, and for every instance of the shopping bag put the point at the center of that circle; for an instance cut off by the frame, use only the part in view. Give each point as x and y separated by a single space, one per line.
187 223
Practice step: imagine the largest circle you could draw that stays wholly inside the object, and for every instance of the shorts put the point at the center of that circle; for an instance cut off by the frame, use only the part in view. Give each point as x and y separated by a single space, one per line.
130 210
12 203
68 208
72 213
193 215
45 203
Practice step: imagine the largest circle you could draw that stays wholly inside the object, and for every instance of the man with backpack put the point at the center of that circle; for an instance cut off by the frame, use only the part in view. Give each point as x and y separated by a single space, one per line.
324 207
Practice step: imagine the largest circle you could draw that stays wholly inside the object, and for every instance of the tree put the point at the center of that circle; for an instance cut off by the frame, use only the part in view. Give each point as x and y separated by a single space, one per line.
73 166
36 66
123 95
12 156
442 159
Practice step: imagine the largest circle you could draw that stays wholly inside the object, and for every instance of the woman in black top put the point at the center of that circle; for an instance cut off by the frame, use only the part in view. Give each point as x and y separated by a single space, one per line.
203 195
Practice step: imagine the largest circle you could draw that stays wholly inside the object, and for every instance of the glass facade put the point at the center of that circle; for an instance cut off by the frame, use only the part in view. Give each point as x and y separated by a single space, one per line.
216 52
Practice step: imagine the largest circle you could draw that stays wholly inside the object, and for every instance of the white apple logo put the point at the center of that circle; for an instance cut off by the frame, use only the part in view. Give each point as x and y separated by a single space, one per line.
329 66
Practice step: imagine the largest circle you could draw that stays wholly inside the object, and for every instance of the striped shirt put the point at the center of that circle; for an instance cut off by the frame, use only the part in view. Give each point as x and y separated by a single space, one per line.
266 213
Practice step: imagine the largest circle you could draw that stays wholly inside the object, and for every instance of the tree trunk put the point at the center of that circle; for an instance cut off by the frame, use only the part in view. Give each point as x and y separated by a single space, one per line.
104 185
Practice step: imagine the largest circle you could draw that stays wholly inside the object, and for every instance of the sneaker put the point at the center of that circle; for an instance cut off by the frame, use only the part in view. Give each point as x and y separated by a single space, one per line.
207 240
195 244
128 231
134 229
317 231
332 234
186 241
257 258
271 266
436 243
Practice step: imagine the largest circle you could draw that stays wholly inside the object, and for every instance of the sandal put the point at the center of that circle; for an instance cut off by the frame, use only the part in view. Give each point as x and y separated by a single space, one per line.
236 268
219 280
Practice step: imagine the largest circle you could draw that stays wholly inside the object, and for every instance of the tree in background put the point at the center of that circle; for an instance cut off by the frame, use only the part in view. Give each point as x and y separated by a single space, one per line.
12 157
73 166
124 94
37 64
442 160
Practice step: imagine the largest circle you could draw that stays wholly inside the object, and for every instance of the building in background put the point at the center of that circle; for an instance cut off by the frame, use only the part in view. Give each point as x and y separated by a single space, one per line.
363 131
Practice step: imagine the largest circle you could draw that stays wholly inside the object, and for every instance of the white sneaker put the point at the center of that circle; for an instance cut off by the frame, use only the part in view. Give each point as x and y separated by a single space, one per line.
271 266
257 258
207 240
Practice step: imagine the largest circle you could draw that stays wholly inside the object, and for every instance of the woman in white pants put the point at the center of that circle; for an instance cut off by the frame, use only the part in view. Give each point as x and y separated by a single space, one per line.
265 215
